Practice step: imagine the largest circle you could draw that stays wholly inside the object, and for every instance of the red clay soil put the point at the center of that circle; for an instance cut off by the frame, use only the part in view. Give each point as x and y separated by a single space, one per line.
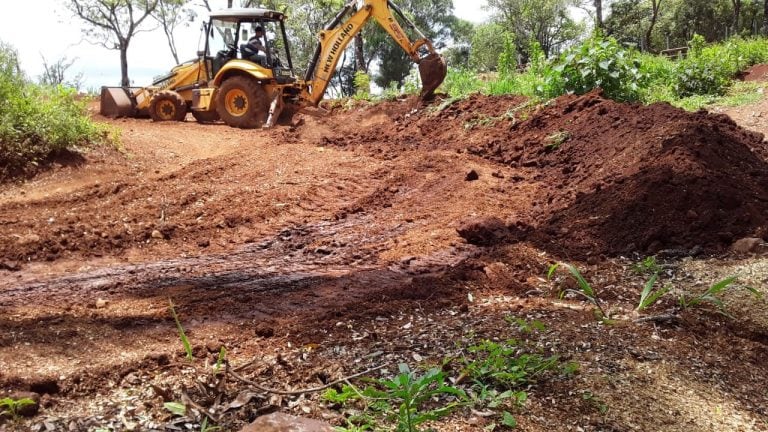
755 73
615 178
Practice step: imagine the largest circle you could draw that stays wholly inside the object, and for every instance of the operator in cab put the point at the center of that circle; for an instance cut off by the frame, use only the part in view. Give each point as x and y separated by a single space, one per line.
256 44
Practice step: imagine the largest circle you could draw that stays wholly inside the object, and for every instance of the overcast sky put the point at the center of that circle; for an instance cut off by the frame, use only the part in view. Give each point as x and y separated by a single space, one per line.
44 28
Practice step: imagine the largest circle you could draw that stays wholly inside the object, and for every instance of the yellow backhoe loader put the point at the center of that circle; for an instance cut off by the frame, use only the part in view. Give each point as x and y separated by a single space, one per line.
248 89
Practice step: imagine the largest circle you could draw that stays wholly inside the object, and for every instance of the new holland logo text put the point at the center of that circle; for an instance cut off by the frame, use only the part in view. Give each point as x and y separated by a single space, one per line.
335 48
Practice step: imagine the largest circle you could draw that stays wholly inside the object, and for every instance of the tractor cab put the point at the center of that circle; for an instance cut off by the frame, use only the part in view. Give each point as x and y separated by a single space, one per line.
229 32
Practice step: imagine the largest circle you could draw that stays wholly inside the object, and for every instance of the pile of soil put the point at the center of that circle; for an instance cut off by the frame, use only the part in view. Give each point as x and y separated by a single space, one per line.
613 177
757 72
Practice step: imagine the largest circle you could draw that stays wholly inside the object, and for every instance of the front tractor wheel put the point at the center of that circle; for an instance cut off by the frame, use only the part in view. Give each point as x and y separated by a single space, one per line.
167 105
242 102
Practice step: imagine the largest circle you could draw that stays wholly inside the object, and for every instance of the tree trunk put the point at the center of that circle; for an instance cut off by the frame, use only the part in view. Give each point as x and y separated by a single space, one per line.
599 13
229 4
124 81
654 17
765 18
736 15
360 65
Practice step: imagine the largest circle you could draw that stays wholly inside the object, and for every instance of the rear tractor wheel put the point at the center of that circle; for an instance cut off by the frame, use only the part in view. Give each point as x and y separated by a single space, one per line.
242 102
167 105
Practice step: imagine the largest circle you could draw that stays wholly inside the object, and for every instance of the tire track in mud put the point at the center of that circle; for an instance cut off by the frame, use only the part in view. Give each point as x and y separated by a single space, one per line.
295 258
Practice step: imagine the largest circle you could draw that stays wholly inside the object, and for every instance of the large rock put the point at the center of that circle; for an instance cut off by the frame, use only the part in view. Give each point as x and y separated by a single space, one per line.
746 245
279 422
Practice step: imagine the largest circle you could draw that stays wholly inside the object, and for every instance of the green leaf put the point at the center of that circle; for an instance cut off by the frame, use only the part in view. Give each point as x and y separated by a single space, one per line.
552 270
605 64
508 420
723 284
176 408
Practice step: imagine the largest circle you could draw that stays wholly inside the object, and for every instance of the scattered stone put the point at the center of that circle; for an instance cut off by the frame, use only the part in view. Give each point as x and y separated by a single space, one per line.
100 303
214 347
28 239
279 422
204 243
264 330
157 234
484 231
10 265
746 245
497 174
472 175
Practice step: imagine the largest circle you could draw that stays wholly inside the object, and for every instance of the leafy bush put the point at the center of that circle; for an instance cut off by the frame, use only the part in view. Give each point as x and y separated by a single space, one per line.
601 63
36 121
461 82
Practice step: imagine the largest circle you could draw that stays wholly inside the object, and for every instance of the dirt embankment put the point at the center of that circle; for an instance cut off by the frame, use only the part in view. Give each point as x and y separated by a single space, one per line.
613 178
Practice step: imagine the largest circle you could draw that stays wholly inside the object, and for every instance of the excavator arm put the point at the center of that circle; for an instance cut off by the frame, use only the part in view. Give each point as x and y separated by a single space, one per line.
335 37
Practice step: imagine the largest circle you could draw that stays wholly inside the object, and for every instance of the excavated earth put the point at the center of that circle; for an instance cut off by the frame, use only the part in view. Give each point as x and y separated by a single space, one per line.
396 232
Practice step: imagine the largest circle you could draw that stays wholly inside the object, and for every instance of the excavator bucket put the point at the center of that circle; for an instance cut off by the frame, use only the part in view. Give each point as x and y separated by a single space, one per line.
432 70
116 102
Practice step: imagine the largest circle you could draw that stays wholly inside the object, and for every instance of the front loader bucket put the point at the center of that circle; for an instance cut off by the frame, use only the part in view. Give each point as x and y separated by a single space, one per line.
432 70
117 102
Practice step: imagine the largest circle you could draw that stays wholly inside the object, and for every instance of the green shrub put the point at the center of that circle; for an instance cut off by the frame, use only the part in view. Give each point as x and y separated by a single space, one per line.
36 121
362 85
600 62
461 82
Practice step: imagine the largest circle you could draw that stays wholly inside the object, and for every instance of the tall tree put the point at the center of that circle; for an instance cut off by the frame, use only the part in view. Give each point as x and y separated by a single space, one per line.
599 13
765 18
655 4
170 14
736 15
56 73
546 21
113 24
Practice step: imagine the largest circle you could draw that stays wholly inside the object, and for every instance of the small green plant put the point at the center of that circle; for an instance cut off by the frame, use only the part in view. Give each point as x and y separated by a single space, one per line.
648 265
585 289
182 335
648 296
362 83
205 427
408 399
11 407
412 392
595 401
220 360
555 140
526 326
504 365
176 408
711 295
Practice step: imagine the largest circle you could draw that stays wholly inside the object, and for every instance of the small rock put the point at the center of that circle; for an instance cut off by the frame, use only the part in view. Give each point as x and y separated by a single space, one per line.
264 330
497 174
10 265
204 243
157 234
746 245
213 346
28 239
100 303
486 231
279 422
472 175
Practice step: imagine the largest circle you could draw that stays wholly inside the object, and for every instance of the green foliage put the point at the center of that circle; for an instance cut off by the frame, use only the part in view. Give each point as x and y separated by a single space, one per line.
176 408
486 46
648 296
36 121
362 85
600 62
647 266
504 366
182 335
585 289
461 83
11 407
712 295
407 400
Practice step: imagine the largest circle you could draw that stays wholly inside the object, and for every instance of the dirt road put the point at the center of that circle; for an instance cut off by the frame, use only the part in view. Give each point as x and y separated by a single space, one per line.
316 251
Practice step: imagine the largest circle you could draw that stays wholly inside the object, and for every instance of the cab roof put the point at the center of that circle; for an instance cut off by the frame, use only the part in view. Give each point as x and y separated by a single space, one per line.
247 14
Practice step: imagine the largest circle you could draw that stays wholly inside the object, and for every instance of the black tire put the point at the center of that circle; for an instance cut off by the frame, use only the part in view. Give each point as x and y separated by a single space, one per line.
242 102
206 116
167 105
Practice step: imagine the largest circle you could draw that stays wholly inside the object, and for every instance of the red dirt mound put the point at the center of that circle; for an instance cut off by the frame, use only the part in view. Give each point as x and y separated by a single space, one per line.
755 73
612 178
